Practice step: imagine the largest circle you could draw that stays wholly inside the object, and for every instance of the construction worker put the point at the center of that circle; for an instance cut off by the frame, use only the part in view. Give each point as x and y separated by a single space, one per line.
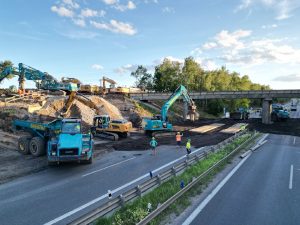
188 146
153 144
178 138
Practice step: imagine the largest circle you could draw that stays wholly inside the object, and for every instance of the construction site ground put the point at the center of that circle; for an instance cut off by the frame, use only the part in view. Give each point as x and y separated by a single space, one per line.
44 108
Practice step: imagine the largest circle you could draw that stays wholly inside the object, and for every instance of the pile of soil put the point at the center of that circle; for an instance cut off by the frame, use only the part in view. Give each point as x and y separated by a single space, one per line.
107 107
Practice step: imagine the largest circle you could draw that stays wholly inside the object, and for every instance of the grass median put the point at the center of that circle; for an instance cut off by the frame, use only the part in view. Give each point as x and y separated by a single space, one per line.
136 210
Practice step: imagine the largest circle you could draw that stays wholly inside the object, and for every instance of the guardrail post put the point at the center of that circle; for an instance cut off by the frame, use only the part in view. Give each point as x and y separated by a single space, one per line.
121 197
139 191
187 161
173 171
158 179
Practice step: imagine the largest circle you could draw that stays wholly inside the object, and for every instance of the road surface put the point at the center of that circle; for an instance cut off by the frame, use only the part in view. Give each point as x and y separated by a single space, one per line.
44 197
264 190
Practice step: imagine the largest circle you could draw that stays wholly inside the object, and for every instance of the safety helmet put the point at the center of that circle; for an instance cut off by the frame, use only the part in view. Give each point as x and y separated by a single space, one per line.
178 132
153 138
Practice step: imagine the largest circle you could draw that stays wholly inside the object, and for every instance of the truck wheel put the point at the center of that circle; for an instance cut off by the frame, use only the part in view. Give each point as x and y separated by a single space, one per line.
37 146
23 145
89 161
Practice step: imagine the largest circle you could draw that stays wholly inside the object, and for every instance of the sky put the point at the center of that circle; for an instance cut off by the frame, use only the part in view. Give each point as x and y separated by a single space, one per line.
88 39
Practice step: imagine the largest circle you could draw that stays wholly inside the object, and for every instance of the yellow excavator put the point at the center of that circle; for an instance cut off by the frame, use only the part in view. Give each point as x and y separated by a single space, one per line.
108 128
108 80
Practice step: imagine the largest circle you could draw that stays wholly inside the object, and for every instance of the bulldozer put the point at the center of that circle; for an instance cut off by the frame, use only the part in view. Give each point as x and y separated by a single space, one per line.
105 127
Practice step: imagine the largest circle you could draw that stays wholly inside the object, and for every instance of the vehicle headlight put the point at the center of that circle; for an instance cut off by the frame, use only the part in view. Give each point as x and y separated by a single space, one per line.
84 150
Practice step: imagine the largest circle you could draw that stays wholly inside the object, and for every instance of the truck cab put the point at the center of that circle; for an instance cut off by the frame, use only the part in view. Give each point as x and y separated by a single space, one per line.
70 144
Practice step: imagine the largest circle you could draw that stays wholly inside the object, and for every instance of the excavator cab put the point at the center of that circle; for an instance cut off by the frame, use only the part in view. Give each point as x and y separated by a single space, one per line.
102 121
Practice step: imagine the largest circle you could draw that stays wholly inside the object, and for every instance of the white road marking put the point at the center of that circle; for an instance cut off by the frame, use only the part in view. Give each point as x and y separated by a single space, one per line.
291 177
64 216
195 213
96 171
294 140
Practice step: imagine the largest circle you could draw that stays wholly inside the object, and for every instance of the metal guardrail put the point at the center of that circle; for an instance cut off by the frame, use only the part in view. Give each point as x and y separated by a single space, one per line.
155 181
171 200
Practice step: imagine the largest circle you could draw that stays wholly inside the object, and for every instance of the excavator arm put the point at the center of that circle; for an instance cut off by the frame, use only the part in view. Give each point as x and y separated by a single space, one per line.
180 91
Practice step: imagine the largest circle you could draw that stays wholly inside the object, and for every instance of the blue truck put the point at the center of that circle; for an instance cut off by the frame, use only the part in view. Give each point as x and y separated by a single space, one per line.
61 140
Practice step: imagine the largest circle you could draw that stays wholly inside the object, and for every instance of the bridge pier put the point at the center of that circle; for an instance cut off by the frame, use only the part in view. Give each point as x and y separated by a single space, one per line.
185 110
266 111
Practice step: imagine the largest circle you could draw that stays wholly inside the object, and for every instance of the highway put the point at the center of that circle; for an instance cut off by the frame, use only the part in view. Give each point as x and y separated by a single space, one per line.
264 190
60 194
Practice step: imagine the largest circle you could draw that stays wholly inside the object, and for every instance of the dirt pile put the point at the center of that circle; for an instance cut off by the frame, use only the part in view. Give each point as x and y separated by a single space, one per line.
53 106
106 107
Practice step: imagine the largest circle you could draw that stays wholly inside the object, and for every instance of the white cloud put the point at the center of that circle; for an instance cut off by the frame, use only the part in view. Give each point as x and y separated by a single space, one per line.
232 49
71 4
282 8
92 13
115 26
130 6
271 26
126 69
110 2
79 22
288 78
150 1
206 64
168 10
97 67
62 11
79 34
209 45
225 39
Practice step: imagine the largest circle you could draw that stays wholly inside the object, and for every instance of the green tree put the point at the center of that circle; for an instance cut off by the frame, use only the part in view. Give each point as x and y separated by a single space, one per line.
144 80
3 65
167 76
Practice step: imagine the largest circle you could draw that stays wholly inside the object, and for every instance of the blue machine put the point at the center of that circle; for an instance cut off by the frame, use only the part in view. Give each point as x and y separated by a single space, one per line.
42 79
279 113
160 122
61 139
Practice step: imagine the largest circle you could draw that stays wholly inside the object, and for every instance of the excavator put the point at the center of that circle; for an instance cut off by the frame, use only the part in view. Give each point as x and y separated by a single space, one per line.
108 80
160 123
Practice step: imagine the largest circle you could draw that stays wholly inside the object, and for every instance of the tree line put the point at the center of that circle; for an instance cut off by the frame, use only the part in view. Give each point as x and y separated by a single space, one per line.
169 75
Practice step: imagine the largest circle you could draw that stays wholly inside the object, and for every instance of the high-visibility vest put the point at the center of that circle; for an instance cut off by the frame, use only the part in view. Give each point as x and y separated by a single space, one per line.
188 145
178 137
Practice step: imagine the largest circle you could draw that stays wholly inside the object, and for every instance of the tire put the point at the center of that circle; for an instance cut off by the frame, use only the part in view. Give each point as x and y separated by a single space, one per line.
52 163
89 161
23 145
37 146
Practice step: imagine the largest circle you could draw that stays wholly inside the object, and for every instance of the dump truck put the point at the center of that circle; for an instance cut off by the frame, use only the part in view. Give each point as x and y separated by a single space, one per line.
105 127
61 140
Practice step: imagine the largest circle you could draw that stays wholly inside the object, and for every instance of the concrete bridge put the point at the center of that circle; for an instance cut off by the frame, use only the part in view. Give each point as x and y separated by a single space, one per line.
266 95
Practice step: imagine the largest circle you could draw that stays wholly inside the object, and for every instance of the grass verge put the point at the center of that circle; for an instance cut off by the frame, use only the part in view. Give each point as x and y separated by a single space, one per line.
135 211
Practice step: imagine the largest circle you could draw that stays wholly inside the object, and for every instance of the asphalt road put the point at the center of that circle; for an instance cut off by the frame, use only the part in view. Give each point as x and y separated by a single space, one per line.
44 197
264 190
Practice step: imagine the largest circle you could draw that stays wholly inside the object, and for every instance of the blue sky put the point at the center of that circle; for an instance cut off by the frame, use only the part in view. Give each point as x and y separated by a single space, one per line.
91 38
